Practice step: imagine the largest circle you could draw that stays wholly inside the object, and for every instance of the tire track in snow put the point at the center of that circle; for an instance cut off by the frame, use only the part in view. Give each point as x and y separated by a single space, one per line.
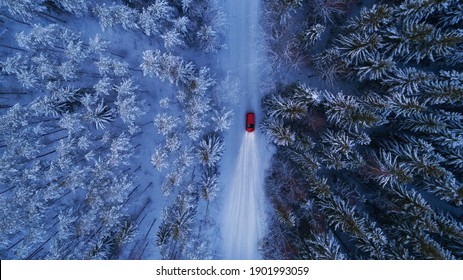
243 212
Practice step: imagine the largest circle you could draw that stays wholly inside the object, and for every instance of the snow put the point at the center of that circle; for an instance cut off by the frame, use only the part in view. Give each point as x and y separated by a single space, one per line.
244 216
245 157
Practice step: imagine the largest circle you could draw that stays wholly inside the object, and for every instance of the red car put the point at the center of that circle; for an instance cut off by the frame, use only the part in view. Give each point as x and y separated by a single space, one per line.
249 122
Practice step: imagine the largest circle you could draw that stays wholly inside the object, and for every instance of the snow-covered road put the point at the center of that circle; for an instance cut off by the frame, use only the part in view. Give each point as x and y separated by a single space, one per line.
243 220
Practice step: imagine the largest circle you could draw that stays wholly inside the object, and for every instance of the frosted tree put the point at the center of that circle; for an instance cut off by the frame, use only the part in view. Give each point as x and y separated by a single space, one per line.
159 158
165 123
452 15
166 66
194 123
182 25
222 120
200 82
98 45
27 78
330 66
388 170
414 148
208 184
13 64
313 34
103 87
199 250
24 8
76 7
324 247
421 9
172 39
278 132
210 150
448 189
342 216
104 65
339 142
67 70
127 17
177 226
374 19
329 10
208 38
172 143
286 9
186 157
106 16
186 5
427 123
153 18
308 95
341 108
404 106
285 107
164 103
127 104
110 16
40 37
100 115
44 66
443 91
120 68
109 66
376 67
358 47
420 40
407 81
76 51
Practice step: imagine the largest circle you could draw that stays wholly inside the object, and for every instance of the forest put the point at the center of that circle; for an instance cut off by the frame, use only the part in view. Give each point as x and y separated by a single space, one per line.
114 113
96 99
369 161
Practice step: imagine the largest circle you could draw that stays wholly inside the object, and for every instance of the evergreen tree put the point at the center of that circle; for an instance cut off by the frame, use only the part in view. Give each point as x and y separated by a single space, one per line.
210 150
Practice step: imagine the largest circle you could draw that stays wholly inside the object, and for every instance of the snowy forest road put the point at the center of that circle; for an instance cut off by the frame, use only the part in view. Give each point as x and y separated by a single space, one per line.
243 220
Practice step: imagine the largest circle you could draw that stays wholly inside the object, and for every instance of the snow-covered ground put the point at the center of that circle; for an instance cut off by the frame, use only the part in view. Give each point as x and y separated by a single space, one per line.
243 214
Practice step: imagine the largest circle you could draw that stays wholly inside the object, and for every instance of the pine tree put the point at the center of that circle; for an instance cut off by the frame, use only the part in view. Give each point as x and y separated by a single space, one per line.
44 66
153 17
323 247
222 120
172 39
374 19
285 107
27 9
76 7
210 150
329 10
127 104
278 132
100 115
110 16
407 81
208 184
313 33
165 123
357 48
27 78
376 67
98 45
159 158
167 66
